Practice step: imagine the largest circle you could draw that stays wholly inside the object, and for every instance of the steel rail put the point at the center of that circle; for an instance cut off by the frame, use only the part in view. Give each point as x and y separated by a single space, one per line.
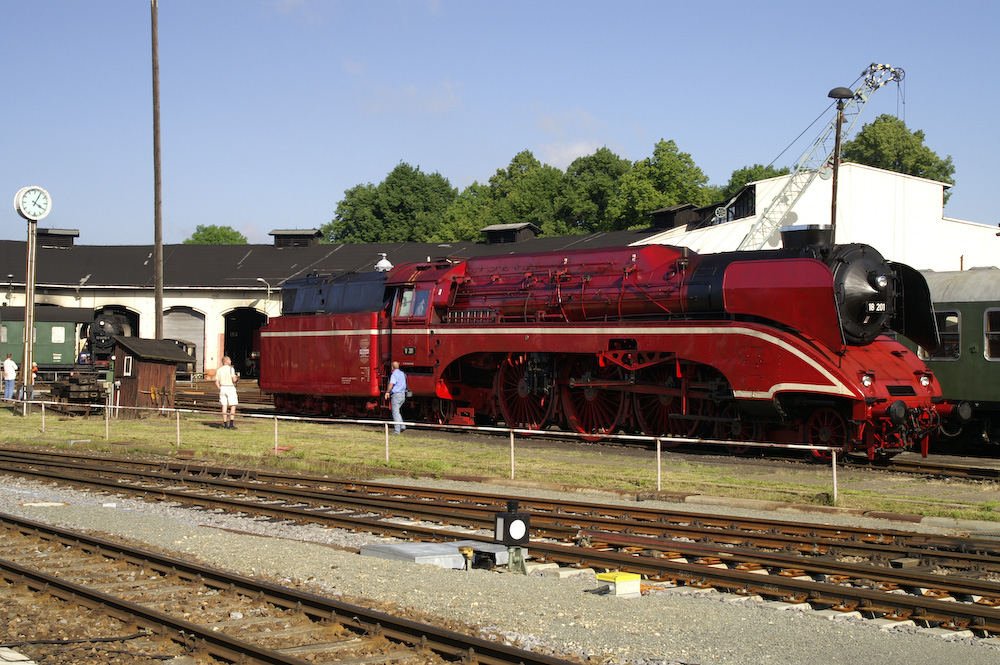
552 519
695 574
447 643
217 644
948 613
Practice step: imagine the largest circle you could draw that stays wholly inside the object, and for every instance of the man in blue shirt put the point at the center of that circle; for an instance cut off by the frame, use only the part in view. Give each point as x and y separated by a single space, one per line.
396 394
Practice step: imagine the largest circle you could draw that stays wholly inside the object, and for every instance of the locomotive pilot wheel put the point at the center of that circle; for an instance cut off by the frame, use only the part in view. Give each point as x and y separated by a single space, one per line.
592 409
826 427
731 426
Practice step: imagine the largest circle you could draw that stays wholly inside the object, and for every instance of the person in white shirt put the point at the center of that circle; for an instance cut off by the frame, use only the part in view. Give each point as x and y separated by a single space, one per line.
9 376
225 381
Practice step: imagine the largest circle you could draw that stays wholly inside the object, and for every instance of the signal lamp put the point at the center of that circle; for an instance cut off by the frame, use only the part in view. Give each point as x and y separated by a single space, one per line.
511 527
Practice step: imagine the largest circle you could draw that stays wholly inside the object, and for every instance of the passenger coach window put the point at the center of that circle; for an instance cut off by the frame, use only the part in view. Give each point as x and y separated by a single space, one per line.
950 332
58 335
992 330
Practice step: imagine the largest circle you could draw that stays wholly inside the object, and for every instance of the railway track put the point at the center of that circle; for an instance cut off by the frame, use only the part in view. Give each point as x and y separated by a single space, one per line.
208 613
895 575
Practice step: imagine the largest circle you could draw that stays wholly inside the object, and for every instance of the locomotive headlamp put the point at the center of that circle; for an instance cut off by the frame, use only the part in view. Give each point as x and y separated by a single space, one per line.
925 380
511 527
867 380
881 281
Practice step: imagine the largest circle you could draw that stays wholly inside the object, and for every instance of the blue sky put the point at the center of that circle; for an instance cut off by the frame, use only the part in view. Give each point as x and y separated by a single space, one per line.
271 109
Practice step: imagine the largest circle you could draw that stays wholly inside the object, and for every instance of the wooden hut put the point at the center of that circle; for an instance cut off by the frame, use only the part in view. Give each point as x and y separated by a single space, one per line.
145 373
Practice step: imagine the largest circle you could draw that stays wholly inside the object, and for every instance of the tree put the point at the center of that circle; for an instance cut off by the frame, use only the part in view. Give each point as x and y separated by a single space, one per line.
355 219
466 215
591 183
216 235
742 176
887 144
408 206
528 191
670 177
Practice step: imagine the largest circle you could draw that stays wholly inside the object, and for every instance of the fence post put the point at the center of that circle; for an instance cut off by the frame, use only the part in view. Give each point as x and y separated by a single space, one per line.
512 454
107 422
659 468
386 443
43 417
834 459
178 413
276 436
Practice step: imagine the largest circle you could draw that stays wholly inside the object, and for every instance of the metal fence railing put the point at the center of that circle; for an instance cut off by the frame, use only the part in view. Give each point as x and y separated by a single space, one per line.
111 413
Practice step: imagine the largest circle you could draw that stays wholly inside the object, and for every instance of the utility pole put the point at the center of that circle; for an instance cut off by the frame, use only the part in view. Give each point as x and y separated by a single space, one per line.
840 94
157 181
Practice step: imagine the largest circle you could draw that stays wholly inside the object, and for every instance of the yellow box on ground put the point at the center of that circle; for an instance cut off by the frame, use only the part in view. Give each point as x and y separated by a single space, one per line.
621 584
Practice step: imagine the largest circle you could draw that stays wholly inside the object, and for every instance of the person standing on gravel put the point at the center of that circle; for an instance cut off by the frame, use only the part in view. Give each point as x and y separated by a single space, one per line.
225 381
395 392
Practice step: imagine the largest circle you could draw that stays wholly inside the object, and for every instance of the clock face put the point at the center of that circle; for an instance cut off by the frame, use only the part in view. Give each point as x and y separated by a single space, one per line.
33 203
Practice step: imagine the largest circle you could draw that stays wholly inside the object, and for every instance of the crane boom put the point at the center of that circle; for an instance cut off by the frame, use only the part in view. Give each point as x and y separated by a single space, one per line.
817 158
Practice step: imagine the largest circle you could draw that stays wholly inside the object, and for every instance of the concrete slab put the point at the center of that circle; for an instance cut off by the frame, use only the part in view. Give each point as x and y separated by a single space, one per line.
444 555
889 624
564 572
837 615
947 634
690 591
782 606
438 554
11 656
741 600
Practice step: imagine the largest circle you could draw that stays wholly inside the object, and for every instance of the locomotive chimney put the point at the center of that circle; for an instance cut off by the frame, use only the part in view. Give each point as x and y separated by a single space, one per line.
796 237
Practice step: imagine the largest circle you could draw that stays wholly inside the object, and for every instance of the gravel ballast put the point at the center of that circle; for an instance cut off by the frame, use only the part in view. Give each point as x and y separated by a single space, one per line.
553 613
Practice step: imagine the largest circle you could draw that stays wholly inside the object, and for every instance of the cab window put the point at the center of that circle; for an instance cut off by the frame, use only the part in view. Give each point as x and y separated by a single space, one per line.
949 329
412 302
405 298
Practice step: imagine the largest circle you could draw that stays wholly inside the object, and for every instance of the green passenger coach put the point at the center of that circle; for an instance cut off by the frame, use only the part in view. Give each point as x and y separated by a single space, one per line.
967 363
57 340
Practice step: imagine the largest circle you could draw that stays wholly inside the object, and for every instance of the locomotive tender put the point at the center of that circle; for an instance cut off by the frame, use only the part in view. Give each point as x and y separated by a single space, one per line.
785 345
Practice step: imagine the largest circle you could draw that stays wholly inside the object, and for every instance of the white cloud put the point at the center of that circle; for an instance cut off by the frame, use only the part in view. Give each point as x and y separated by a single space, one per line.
353 67
440 99
562 154
566 123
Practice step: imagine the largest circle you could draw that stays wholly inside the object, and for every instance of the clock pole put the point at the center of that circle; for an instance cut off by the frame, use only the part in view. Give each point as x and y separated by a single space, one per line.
32 203
29 312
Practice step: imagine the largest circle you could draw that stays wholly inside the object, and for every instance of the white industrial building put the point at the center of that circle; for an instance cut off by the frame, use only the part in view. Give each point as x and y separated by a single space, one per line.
901 216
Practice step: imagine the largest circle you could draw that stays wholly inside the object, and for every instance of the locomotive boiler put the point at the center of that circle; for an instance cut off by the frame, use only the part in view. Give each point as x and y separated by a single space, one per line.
791 346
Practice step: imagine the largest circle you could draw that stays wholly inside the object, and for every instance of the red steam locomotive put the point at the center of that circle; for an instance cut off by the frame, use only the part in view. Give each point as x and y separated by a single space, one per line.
784 345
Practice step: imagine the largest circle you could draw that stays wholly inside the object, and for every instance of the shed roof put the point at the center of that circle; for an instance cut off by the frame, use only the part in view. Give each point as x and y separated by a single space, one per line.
217 267
152 349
